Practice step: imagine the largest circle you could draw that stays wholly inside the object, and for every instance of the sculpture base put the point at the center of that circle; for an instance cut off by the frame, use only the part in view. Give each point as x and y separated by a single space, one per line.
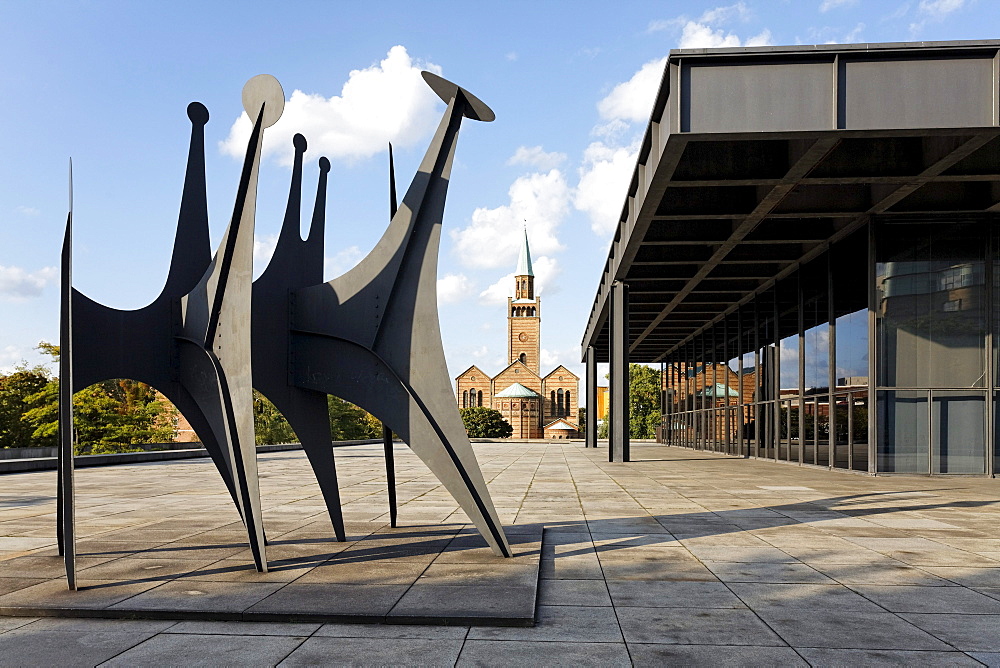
414 574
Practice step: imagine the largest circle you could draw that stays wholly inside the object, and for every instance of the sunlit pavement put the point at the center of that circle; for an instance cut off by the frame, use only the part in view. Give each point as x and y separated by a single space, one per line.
678 557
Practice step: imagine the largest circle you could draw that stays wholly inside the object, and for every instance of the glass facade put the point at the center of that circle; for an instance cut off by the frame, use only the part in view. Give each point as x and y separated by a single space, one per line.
933 322
813 364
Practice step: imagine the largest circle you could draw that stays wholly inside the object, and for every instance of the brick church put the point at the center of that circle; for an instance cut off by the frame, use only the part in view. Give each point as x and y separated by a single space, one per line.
536 406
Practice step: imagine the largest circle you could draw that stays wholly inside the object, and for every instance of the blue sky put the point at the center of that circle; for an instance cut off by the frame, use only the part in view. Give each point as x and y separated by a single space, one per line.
571 84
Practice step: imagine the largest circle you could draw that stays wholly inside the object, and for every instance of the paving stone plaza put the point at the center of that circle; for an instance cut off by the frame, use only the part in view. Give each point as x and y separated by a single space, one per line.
680 557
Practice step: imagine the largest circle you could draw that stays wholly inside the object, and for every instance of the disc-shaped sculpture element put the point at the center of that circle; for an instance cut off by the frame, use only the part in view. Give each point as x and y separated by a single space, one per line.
474 108
264 90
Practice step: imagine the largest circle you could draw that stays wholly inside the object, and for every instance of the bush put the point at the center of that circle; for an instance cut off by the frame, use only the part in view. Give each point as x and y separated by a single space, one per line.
485 423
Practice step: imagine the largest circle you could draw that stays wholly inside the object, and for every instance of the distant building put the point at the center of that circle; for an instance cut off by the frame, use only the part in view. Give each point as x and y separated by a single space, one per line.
536 406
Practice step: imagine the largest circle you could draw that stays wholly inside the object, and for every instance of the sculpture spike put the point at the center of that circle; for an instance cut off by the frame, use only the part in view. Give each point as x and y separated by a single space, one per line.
390 461
313 271
192 246
392 185
67 500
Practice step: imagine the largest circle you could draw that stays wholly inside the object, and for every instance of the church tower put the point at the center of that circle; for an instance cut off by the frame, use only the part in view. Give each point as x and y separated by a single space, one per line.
524 314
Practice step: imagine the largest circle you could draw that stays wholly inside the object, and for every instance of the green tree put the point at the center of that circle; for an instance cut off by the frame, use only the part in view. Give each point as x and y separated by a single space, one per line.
643 403
270 426
110 416
15 388
482 422
349 422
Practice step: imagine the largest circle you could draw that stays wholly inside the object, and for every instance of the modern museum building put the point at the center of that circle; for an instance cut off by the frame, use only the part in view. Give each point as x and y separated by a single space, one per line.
810 251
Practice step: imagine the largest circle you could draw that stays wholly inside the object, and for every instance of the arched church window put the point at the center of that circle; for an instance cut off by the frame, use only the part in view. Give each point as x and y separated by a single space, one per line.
568 409
523 357
559 402
465 399
480 398
553 399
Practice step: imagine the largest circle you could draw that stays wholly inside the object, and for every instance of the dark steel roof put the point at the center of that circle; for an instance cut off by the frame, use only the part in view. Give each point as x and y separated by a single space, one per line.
757 159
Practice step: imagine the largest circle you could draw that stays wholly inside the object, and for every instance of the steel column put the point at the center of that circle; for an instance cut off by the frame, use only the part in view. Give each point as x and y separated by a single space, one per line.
590 427
619 428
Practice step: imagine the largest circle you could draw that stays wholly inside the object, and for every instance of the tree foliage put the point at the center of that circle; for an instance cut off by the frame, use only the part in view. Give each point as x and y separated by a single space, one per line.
270 426
482 422
643 403
15 388
347 422
115 415
110 416
351 423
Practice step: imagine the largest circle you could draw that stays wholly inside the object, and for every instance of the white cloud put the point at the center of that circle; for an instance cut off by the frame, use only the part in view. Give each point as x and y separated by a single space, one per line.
10 357
763 38
827 5
27 211
939 9
535 156
935 11
707 32
696 35
725 14
546 270
263 249
385 102
453 288
855 34
604 179
494 238
17 285
511 56
342 262
633 99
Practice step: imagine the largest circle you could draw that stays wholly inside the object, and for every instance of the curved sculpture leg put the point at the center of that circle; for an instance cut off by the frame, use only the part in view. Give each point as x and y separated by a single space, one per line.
338 367
390 473
310 419
209 388
191 410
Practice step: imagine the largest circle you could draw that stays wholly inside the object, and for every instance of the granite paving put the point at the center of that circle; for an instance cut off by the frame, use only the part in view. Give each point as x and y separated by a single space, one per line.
677 558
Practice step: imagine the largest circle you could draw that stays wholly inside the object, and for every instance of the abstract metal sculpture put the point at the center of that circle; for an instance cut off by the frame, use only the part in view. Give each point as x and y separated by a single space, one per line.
370 336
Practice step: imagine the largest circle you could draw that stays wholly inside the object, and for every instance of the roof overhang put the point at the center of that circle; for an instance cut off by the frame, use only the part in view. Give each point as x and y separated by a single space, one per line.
756 160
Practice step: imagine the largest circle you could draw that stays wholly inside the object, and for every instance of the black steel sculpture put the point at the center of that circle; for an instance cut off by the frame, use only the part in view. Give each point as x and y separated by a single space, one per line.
370 336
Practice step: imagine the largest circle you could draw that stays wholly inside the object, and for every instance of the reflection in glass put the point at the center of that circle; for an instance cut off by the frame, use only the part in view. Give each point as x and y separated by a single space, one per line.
959 435
930 282
903 435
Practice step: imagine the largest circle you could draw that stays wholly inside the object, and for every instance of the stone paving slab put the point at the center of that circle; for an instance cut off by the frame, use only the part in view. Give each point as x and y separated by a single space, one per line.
679 557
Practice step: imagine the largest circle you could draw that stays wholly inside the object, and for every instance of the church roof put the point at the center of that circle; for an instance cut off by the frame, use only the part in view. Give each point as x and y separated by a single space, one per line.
718 391
561 425
561 369
524 261
518 391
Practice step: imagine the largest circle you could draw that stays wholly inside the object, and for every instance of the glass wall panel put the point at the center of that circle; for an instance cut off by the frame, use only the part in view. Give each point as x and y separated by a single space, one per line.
903 434
817 379
996 430
959 434
931 305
